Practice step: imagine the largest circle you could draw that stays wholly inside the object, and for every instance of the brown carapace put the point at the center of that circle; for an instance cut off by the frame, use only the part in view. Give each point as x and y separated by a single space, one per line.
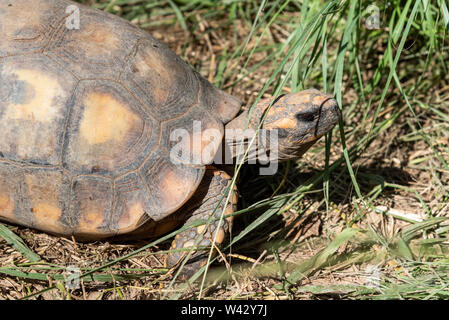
86 119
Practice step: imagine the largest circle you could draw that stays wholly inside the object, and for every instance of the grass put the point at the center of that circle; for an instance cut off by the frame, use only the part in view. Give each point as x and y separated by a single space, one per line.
363 215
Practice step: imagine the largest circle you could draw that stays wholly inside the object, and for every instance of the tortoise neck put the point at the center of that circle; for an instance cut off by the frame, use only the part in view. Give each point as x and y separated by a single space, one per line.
239 133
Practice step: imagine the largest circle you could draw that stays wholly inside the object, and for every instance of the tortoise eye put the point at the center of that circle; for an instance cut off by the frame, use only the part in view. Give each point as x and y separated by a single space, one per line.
306 116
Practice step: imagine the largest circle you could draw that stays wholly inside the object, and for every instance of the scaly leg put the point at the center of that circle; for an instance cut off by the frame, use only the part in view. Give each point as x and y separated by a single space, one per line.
202 205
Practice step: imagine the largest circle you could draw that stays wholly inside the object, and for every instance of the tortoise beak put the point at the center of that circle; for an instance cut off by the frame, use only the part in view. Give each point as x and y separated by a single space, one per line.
329 114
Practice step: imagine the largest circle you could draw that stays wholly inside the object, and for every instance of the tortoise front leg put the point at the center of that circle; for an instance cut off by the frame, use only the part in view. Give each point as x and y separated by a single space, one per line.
202 205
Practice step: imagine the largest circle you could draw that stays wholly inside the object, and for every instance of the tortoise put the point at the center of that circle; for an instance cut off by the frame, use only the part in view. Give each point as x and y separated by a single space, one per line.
87 117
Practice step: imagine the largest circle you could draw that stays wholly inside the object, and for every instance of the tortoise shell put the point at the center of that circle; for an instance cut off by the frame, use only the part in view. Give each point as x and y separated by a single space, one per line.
86 117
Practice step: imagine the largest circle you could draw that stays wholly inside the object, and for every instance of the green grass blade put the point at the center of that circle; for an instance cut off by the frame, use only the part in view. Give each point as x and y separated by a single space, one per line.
320 259
17 243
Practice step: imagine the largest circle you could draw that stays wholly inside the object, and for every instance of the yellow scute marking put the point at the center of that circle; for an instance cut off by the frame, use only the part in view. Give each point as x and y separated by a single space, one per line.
6 206
174 189
45 211
106 119
40 91
150 63
297 98
46 217
136 210
318 100
276 109
97 40
131 217
90 221
19 19
284 123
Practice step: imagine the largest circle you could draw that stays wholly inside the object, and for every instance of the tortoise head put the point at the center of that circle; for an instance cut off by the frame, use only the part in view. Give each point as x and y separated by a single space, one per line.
295 120
300 119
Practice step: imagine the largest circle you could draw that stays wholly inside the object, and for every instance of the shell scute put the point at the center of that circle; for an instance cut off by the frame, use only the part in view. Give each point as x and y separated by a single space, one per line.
47 204
97 49
27 26
131 204
108 133
168 185
167 85
91 207
35 94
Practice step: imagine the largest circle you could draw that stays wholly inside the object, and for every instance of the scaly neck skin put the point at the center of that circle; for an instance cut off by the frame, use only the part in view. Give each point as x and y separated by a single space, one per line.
239 133
234 140
265 143
242 131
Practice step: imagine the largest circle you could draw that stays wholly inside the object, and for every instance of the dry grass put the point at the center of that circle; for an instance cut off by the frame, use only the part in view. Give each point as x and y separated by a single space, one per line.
397 171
